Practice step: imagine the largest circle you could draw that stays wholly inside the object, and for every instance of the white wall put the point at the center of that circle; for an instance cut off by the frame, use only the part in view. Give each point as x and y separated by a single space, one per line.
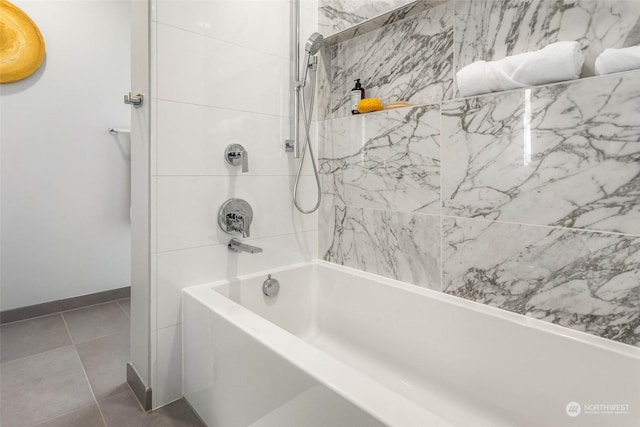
65 180
140 194
221 71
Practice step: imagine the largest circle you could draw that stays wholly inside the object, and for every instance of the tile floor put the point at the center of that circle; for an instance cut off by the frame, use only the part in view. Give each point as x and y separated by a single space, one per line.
69 370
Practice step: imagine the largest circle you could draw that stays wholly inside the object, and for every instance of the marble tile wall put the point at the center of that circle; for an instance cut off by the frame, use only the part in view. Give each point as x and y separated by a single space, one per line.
408 60
493 29
415 59
337 15
527 200
586 281
564 155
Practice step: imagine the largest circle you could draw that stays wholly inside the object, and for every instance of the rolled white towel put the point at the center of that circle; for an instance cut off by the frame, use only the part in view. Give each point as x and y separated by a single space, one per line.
617 60
556 62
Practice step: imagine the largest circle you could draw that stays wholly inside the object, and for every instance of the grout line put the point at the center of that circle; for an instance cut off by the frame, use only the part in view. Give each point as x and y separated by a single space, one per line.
441 204
86 377
89 306
216 107
553 227
68 330
206 175
154 202
74 342
153 308
59 416
246 240
388 210
60 312
35 354
31 318
175 324
207 36
125 311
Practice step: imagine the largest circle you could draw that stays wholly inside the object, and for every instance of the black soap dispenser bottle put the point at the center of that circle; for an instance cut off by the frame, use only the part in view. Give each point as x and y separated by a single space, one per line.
357 94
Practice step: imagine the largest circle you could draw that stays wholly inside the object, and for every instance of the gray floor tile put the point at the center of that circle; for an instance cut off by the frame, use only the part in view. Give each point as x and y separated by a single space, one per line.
32 336
122 410
96 321
126 305
105 362
176 414
38 388
85 417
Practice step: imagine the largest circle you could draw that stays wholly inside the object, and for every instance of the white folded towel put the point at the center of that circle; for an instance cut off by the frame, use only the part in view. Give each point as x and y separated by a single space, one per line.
617 60
555 63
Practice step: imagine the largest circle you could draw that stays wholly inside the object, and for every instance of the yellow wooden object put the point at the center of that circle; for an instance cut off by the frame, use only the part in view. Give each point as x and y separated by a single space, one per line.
397 104
21 44
368 105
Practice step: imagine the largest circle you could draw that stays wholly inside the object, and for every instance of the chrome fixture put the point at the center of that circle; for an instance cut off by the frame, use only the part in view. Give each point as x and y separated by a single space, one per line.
236 245
314 43
235 216
115 131
313 46
135 100
235 155
270 287
289 145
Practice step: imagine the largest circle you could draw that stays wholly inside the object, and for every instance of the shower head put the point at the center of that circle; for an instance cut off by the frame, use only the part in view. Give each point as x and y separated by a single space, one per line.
314 43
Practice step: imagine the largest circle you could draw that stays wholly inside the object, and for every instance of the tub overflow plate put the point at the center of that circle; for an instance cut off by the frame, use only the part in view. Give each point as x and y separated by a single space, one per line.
270 287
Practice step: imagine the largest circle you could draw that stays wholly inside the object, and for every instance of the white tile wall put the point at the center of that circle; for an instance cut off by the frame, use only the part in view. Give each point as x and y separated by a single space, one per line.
188 208
255 24
191 139
188 267
200 70
222 70
153 292
169 366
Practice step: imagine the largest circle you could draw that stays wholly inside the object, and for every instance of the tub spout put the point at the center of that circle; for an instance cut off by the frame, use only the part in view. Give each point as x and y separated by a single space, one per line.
237 246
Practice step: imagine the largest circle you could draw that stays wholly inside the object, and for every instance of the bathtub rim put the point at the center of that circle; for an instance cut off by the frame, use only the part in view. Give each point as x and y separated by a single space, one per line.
627 350
376 399
380 402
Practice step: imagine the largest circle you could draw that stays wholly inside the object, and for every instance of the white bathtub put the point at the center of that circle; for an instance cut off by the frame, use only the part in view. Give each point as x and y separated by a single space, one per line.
339 347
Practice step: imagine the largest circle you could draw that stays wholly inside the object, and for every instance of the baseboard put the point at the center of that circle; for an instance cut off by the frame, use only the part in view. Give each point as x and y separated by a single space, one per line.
140 390
37 310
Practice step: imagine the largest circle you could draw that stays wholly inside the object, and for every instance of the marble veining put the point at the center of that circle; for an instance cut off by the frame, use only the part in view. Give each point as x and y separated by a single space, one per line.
396 245
409 60
385 160
400 12
566 155
492 29
582 280
337 15
527 200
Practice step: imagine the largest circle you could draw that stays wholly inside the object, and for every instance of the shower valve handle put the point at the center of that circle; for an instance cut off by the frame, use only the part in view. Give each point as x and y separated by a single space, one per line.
235 155
235 217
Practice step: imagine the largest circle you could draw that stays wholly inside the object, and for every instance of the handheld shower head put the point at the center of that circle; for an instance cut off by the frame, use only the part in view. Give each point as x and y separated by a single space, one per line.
314 43
312 47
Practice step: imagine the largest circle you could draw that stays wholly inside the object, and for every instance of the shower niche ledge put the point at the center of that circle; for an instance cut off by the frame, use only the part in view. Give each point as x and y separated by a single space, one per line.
380 20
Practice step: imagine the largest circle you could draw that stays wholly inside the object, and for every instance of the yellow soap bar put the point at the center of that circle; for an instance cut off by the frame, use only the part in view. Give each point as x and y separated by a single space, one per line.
368 105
